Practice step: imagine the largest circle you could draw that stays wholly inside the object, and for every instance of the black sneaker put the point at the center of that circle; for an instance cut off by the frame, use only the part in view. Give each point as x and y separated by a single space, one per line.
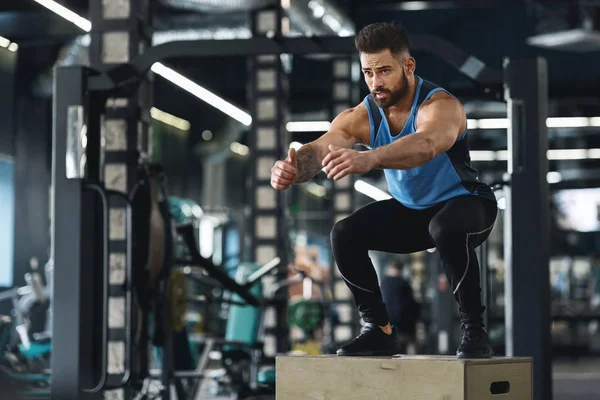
372 341
475 342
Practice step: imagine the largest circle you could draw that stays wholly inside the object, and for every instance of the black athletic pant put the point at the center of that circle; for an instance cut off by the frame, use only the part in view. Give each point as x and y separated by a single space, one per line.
455 227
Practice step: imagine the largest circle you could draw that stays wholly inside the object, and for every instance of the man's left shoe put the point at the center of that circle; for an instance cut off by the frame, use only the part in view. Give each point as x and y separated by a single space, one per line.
475 342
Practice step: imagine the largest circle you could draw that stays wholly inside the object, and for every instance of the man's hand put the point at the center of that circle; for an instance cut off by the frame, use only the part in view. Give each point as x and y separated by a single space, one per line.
341 162
285 172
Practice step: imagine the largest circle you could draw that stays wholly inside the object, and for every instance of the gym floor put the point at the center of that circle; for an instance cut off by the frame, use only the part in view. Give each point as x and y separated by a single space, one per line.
576 380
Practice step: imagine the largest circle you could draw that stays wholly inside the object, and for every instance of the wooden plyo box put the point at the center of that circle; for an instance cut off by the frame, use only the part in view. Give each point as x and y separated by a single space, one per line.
403 378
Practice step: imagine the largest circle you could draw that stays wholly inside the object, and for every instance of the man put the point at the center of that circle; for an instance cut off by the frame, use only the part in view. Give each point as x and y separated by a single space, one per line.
417 133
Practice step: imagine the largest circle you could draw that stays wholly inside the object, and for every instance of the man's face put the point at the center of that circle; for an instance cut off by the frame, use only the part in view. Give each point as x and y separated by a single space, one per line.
386 77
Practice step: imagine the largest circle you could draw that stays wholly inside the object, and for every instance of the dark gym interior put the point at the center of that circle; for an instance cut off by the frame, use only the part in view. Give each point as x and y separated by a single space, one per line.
114 111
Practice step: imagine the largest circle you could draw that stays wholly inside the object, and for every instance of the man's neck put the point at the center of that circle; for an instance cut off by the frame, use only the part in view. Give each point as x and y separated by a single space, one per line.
405 104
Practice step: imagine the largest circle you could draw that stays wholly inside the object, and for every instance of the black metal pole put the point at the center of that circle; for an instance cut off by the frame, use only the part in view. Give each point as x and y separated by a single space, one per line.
75 350
527 220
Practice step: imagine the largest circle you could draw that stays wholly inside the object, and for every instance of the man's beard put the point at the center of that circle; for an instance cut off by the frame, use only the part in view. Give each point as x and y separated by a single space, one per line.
394 95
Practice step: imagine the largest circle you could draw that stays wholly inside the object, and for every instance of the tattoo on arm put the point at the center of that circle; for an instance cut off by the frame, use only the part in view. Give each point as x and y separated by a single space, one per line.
308 164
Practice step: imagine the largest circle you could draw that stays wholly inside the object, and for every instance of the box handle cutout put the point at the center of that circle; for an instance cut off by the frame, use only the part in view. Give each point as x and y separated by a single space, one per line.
500 387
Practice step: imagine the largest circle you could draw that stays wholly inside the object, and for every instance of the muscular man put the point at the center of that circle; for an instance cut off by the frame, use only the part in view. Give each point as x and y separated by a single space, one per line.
417 133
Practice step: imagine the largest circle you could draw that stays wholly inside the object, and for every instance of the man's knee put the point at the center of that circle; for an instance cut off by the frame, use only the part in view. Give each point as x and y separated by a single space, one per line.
341 233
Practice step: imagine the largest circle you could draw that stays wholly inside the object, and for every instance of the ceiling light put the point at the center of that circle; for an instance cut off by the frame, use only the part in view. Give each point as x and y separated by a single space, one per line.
308 126
67 14
203 94
371 191
169 119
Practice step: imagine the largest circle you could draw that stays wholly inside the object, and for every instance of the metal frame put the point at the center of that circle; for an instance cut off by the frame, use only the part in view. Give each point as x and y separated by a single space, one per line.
120 34
467 64
268 228
77 221
344 94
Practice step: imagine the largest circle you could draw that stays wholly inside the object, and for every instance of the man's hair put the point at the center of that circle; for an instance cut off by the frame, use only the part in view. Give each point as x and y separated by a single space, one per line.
380 36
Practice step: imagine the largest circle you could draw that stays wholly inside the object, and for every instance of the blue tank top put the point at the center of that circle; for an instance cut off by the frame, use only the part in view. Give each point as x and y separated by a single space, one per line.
448 175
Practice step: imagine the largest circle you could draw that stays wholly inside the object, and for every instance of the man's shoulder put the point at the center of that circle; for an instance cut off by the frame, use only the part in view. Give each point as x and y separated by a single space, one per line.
355 121
441 102
356 112
440 97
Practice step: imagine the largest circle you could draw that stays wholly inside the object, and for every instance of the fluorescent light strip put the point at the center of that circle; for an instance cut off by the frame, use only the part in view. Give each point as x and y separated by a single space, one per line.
554 177
553 154
295 145
568 122
169 119
12 46
239 149
485 123
492 123
502 155
67 14
369 190
594 153
158 68
483 155
551 122
308 126
203 94
567 154
316 189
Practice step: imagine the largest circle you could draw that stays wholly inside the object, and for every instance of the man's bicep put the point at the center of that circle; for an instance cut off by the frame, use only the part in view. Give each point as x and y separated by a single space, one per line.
442 121
345 131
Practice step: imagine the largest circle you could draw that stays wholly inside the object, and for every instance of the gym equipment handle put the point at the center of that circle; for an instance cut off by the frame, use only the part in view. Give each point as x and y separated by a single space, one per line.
105 265
262 271
103 382
186 231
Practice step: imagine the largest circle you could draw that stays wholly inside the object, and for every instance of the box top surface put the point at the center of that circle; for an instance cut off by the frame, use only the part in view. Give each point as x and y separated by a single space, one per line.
438 358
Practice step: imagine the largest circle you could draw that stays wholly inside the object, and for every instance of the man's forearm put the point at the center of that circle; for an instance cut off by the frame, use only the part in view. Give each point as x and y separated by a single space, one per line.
405 153
308 163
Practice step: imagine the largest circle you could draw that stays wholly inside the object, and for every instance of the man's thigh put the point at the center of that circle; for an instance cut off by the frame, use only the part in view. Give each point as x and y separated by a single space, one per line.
467 214
389 226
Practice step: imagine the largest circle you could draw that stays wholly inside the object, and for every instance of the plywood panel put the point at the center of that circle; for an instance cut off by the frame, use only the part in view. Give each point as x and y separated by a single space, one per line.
399 378
499 381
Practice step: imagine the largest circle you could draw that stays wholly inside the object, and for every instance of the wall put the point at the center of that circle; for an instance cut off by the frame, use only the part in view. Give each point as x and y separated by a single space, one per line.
7 78
32 160
30 146
6 221
7 95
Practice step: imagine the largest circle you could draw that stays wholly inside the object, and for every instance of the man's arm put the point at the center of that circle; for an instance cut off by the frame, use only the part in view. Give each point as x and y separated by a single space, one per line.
439 124
347 129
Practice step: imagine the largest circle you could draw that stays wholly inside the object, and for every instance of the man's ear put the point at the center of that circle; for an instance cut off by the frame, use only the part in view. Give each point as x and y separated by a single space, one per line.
410 65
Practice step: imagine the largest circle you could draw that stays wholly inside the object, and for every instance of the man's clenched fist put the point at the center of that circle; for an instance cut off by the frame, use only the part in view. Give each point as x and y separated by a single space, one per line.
284 173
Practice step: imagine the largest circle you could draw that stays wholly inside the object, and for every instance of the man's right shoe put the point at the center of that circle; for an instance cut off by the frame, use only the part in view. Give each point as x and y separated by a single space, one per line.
475 342
372 341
